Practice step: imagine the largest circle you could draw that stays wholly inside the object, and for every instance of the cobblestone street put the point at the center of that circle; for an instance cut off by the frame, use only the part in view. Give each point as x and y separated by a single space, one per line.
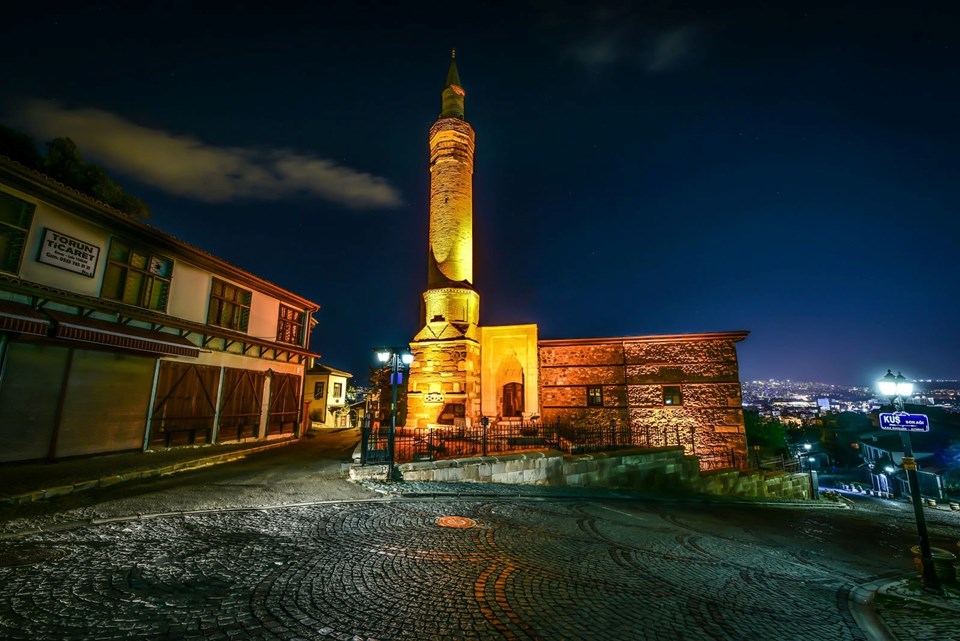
526 569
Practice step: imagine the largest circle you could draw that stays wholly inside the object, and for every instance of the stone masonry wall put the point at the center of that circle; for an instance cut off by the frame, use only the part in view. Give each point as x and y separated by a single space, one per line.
443 372
610 353
709 420
665 469
632 373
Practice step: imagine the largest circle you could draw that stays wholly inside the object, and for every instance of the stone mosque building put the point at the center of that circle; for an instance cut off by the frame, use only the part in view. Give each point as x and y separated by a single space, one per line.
680 389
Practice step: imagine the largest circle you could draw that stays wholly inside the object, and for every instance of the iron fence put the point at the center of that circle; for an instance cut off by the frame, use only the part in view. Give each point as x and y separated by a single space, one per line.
778 463
724 459
460 441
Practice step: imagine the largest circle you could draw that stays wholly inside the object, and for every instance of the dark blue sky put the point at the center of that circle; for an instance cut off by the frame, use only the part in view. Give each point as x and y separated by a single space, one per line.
785 168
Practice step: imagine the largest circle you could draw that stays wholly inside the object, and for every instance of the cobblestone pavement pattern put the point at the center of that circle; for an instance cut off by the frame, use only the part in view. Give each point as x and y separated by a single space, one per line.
538 569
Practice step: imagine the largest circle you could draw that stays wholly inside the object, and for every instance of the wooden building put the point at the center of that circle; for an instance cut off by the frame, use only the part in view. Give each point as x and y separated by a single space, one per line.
116 336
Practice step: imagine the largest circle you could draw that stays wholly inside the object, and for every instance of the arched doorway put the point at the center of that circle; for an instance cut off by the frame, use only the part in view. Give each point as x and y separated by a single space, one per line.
512 400
510 381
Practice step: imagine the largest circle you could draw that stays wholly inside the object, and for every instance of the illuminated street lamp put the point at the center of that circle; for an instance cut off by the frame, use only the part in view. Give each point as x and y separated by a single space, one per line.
814 483
395 358
895 388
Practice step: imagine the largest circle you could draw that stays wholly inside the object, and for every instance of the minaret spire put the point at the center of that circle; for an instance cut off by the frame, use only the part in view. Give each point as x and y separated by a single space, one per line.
453 94
451 191
444 381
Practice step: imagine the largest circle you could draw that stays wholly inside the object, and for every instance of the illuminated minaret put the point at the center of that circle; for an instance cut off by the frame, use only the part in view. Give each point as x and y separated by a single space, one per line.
444 378
451 190
450 306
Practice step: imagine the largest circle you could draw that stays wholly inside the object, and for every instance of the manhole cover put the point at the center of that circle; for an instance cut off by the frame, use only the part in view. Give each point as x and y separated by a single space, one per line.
455 521
29 556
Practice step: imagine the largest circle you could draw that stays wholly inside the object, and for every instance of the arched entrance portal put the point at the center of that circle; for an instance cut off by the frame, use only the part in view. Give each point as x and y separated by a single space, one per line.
510 383
512 400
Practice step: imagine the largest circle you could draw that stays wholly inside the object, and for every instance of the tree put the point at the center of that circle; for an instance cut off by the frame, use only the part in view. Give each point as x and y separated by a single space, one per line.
381 393
769 434
63 163
839 434
20 147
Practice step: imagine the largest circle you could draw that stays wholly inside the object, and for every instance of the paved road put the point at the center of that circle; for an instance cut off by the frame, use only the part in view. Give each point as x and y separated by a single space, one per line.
387 569
299 473
545 569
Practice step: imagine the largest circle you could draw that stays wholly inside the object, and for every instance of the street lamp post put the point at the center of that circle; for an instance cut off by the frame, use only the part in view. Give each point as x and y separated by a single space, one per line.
395 358
895 388
814 481
887 471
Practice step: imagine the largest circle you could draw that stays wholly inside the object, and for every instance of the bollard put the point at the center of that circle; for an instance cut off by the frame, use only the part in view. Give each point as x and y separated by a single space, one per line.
931 503
954 506
942 563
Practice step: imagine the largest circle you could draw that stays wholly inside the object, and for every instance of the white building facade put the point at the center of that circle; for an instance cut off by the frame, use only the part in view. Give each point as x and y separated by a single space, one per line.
326 397
115 336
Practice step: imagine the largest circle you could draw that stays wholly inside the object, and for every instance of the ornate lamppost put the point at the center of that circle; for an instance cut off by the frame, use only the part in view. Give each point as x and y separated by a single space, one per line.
895 388
398 361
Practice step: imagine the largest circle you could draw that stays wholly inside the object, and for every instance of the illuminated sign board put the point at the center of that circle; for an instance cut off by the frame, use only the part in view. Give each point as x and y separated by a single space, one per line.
433 397
67 252
903 422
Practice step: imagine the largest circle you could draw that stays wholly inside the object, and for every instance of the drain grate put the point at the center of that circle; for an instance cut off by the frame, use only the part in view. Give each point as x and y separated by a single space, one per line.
459 522
14 557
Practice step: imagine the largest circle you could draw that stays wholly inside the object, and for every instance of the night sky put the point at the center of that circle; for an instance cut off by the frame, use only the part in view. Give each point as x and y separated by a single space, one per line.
785 168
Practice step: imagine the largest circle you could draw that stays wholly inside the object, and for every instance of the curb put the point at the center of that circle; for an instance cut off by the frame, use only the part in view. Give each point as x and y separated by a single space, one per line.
581 493
136 475
860 602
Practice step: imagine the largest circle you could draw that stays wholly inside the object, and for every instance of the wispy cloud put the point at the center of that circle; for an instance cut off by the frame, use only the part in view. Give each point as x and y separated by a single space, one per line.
597 50
604 36
188 167
668 49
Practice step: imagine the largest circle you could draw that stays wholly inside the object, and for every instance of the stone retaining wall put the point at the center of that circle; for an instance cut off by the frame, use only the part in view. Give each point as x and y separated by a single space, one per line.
664 469
529 468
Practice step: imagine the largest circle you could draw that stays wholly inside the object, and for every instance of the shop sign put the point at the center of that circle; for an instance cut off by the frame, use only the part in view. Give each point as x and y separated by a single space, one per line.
67 252
433 397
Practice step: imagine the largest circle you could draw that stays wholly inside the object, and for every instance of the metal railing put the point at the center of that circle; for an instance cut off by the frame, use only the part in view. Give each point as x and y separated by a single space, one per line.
460 441
726 459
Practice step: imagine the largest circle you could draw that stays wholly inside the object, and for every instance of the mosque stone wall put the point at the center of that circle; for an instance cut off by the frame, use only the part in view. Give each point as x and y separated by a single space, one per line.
639 378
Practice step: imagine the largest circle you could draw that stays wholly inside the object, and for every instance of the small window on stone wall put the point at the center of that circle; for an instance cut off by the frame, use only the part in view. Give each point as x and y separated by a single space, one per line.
595 396
451 414
672 395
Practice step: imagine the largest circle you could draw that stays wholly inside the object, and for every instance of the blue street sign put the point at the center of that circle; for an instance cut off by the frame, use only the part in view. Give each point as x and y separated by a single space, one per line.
903 422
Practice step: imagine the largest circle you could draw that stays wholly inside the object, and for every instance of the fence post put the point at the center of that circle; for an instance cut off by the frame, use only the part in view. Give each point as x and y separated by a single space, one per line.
613 432
364 439
484 422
